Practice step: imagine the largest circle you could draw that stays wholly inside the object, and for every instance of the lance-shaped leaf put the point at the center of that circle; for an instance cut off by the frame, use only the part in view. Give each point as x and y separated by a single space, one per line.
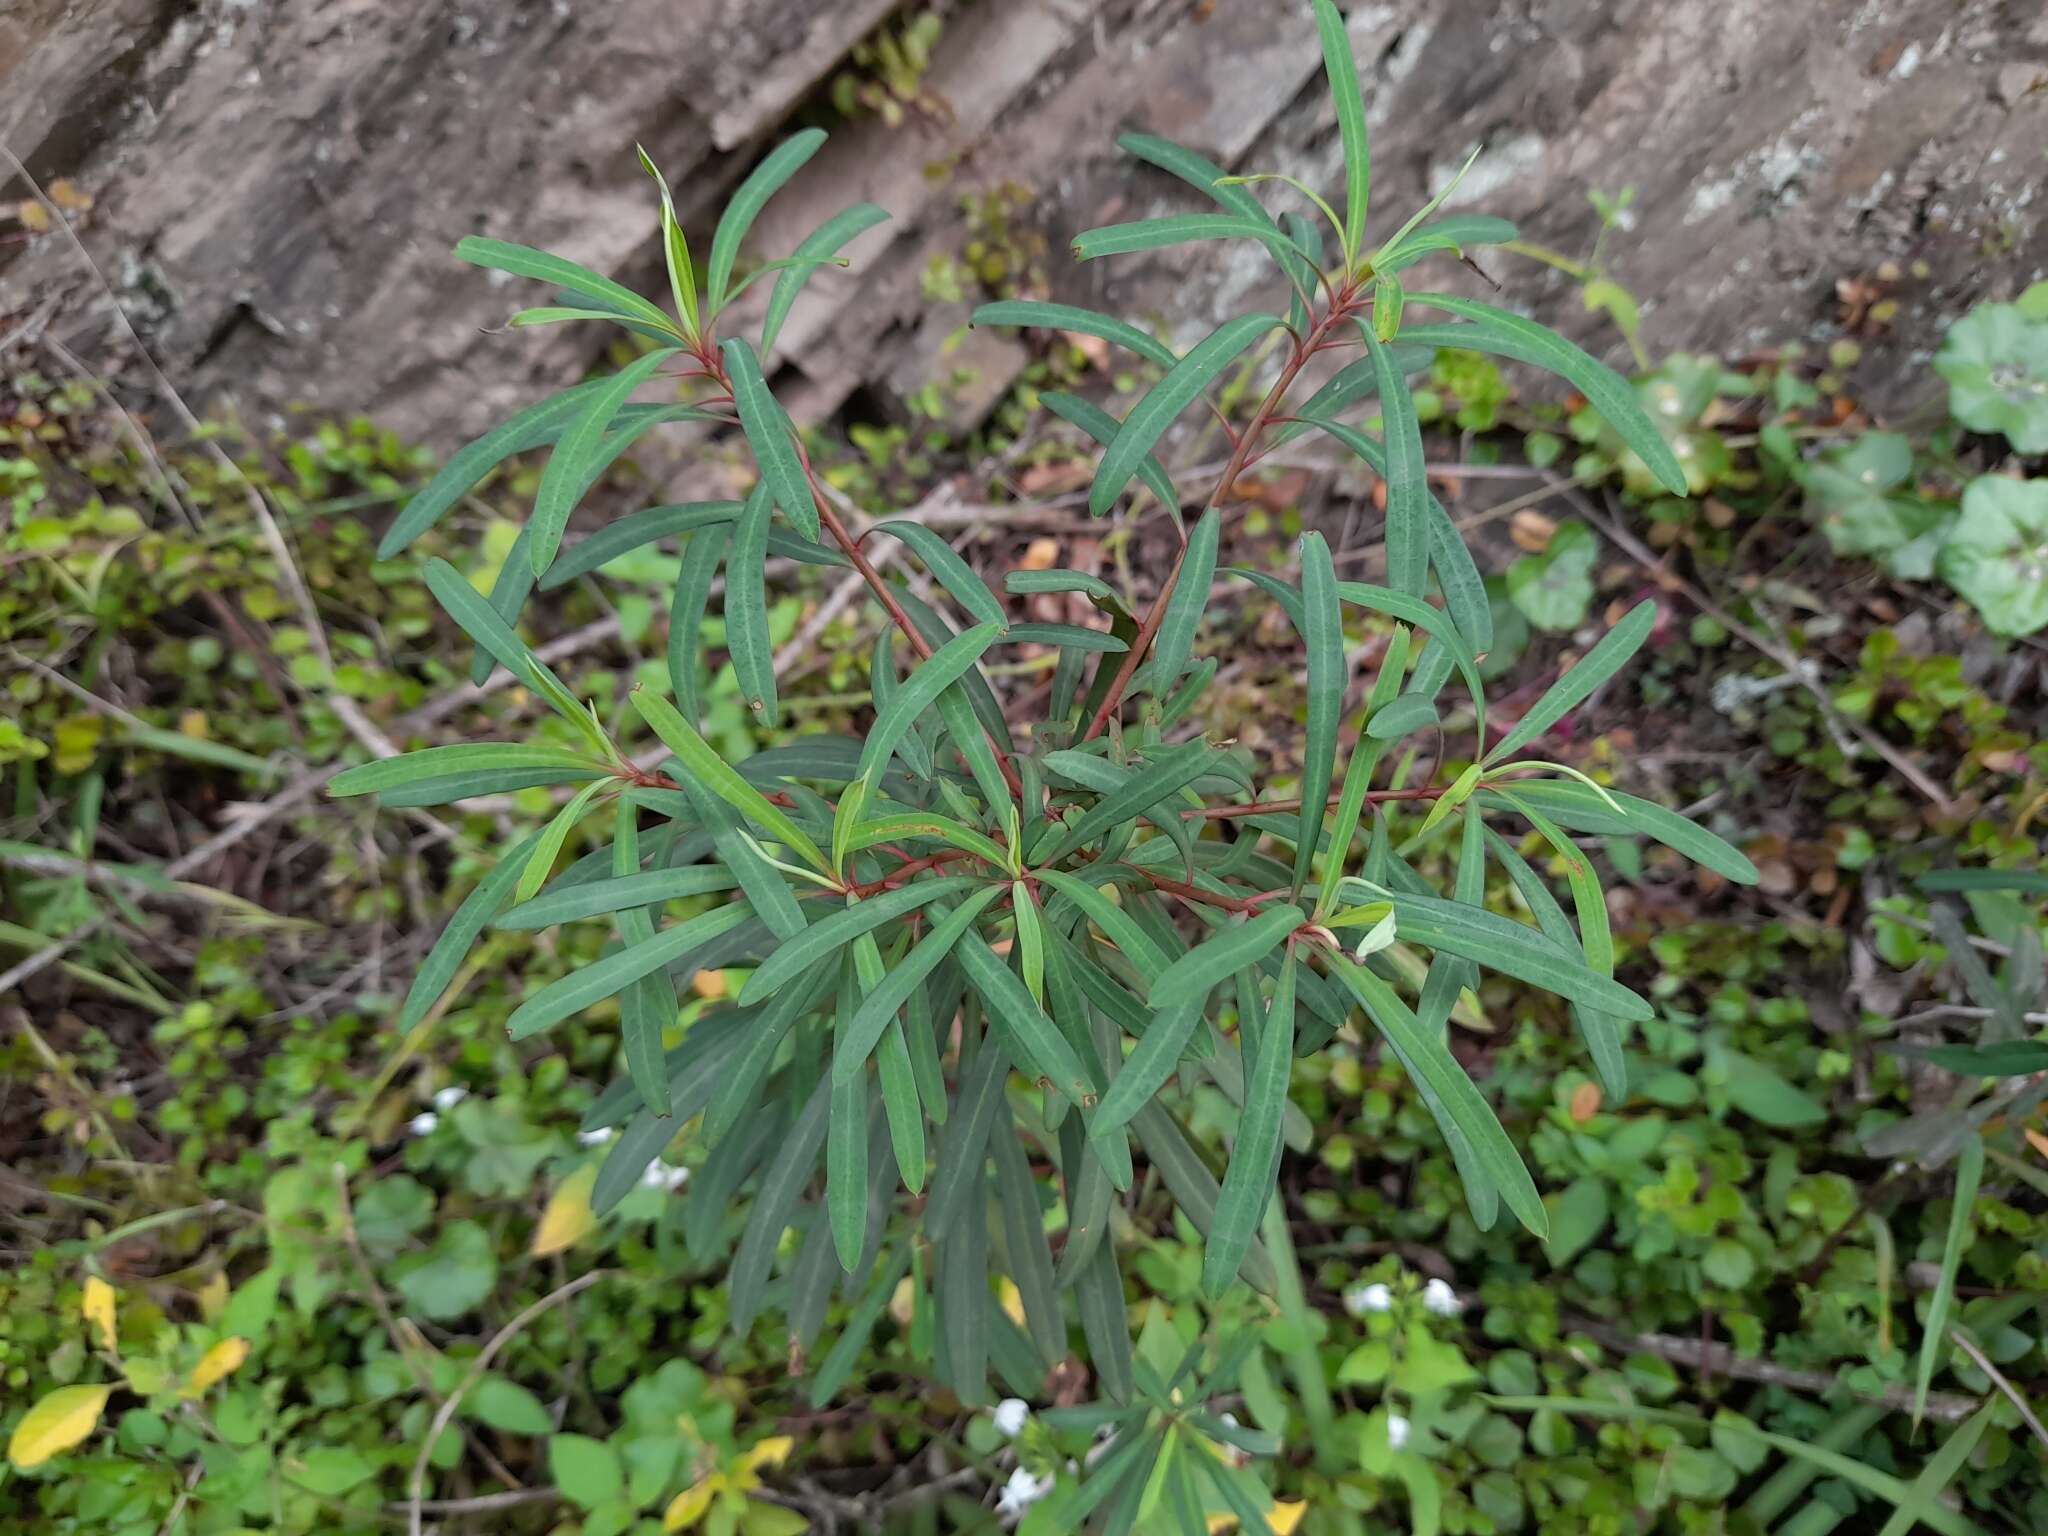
470 919
695 573
1084 322
1217 958
1613 652
1365 757
1614 814
675 247
552 836
1509 335
533 427
898 828
774 1204
525 261
851 1045
830 934
1039 1047
1177 229
817 249
1166 775
965 1147
601 898
610 975
429 763
1347 386
1255 1157
1503 945
1175 641
1092 642
846 1143
1425 1057
1402 717
950 571
1601 1033
1116 924
1103 427
1025 583
1962 1213
747 640
459 600
696 758
1342 72
1407 485
1452 233
762 183
648 1006
1322 623
563 482
1024 1245
882 679
1150 1064
1151 416
770 436
1192 1184
630 533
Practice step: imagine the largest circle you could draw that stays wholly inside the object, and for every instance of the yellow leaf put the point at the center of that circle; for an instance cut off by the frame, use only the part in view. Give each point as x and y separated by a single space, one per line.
56 1424
98 1310
568 1216
688 1507
772 1452
2037 1141
1283 1518
1013 1301
217 1364
213 1296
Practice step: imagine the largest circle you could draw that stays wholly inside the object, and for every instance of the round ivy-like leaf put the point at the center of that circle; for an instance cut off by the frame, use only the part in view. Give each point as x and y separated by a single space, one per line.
450 1277
1996 362
1997 554
1554 589
1860 496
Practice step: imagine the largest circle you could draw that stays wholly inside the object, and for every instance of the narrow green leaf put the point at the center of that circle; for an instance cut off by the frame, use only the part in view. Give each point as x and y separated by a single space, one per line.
630 533
964 1301
1116 924
553 835
774 1204
846 1167
1093 642
1191 977
1255 1157
716 775
1151 416
885 684
1103 427
1452 233
770 437
611 974
1602 1033
898 1077
601 898
525 261
1615 814
428 763
746 609
563 481
1191 1183
537 425
1407 480
1099 1292
1166 775
891 829
1084 322
1024 1243
945 667
1176 229
1038 1045
1463 587
762 183
1613 652
1509 335
682 272
459 600
965 1147
1175 640
832 933
1403 717
1342 72
648 1006
763 1032
470 919
1145 1071
1030 941
821 244
1961 1215
948 569
1426 1058
1024 583
695 572
1511 948
1323 632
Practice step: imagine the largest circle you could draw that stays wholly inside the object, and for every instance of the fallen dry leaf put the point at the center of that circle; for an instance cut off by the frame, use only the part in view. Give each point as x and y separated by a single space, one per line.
1531 530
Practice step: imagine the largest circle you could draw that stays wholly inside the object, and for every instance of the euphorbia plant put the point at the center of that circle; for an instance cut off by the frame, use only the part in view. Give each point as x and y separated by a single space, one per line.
980 952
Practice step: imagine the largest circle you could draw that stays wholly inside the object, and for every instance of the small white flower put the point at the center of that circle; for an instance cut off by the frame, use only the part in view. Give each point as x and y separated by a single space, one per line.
666 1176
1397 1431
1105 1442
596 1138
1441 1300
447 1098
1361 1299
1010 1416
1021 1492
423 1123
